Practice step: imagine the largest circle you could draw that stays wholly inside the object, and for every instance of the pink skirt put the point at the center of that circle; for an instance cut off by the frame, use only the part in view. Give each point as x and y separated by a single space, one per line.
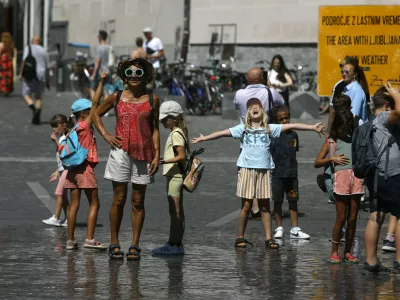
82 177
61 181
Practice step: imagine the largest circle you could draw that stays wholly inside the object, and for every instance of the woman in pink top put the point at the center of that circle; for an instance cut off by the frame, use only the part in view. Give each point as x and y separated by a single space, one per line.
135 148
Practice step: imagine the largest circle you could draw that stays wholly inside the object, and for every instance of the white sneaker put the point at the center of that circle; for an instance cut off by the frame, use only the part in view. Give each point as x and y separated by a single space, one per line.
52 221
296 233
64 223
278 233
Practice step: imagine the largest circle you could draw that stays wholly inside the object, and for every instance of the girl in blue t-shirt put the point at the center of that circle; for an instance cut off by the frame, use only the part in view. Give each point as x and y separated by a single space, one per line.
255 163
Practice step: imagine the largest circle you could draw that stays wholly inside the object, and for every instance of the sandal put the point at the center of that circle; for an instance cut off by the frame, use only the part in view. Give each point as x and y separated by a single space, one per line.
133 255
351 259
242 241
115 254
335 259
271 244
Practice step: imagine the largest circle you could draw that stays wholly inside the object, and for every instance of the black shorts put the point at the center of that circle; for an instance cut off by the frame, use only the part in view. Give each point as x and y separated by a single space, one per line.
388 196
280 186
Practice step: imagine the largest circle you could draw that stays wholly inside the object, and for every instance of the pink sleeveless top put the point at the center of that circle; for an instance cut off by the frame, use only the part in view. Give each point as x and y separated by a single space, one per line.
135 126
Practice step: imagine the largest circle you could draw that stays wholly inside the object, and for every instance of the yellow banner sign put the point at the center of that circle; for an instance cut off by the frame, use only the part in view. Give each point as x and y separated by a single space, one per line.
371 33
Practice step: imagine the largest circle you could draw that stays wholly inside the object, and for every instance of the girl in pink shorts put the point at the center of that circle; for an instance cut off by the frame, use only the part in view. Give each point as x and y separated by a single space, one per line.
347 188
83 177
59 123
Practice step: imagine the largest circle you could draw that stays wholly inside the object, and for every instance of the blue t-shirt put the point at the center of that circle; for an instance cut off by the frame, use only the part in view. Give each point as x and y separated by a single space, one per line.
256 146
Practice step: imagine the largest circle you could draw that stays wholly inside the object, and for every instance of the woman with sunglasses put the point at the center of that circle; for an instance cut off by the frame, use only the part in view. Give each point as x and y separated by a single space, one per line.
353 84
135 148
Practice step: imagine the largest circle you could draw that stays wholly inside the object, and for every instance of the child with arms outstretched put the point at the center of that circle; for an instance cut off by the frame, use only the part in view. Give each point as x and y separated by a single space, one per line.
255 163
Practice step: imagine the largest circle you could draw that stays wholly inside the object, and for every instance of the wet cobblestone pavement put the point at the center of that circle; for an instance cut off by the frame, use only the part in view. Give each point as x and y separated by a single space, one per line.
35 264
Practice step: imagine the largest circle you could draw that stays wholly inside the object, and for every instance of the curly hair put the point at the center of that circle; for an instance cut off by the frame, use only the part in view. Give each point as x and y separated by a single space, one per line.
142 63
341 101
343 122
278 109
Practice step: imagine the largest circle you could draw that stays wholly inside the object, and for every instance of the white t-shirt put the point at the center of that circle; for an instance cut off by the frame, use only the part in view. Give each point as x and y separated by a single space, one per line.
60 166
153 47
272 76
42 60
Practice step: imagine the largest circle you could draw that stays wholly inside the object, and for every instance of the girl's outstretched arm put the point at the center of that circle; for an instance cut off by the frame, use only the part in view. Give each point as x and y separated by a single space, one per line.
212 136
318 128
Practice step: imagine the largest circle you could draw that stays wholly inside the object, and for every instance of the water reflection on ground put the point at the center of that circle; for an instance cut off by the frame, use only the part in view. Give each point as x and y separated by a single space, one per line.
211 269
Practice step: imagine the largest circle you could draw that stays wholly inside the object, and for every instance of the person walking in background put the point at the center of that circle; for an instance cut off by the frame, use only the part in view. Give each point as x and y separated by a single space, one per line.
279 77
284 176
155 53
139 52
6 64
255 163
269 98
60 126
101 65
35 75
171 116
135 149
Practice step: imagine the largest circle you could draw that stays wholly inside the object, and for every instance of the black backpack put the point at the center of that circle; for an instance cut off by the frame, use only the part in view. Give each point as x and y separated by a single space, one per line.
365 160
29 72
119 93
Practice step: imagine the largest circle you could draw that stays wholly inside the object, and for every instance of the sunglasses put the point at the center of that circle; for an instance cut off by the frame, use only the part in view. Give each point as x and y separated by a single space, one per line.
130 72
346 72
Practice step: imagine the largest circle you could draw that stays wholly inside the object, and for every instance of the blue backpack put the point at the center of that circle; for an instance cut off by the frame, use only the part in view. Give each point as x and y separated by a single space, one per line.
73 154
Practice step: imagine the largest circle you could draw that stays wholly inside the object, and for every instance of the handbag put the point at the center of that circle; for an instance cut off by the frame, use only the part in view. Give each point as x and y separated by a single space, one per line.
193 169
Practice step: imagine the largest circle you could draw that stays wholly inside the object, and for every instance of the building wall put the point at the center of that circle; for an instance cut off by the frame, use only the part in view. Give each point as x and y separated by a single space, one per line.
263 28
264 21
130 17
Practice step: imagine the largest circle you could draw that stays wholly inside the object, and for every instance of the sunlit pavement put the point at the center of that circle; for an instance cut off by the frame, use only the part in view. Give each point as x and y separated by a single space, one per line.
35 264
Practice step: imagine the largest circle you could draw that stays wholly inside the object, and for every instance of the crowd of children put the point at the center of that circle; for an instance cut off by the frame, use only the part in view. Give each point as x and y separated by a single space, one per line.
267 169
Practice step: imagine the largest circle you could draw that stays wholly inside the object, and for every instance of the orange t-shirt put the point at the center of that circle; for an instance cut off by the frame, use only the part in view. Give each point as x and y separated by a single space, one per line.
88 140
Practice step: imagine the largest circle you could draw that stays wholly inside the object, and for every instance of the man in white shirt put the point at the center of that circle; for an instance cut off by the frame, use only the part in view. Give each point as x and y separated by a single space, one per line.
34 83
154 49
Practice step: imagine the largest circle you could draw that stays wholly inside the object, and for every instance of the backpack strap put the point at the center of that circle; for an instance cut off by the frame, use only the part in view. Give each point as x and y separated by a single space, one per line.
186 148
270 99
270 104
332 152
30 50
151 99
119 94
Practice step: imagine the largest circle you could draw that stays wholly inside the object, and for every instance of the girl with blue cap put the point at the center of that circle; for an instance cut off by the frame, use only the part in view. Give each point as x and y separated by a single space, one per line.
83 177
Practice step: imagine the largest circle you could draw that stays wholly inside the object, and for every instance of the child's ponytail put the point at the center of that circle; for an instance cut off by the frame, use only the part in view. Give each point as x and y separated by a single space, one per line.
182 125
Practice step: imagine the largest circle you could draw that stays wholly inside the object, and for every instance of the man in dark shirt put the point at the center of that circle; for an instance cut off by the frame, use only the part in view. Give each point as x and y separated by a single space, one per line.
284 176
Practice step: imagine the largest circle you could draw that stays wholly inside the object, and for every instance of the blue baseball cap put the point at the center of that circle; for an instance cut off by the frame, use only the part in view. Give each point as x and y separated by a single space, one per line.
80 105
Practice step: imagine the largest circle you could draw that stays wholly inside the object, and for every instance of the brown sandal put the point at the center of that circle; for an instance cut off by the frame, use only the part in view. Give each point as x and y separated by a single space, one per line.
242 241
271 244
